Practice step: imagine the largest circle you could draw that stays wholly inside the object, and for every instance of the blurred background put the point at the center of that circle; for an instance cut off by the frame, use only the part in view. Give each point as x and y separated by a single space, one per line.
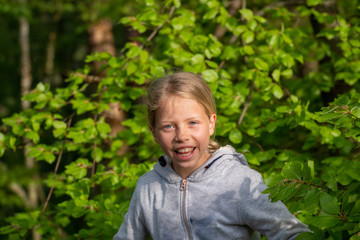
45 41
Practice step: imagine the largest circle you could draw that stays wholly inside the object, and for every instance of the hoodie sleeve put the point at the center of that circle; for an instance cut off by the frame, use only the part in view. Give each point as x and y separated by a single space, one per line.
271 219
133 226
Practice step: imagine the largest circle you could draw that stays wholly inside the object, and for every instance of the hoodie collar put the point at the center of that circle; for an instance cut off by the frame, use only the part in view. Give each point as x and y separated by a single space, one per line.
164 169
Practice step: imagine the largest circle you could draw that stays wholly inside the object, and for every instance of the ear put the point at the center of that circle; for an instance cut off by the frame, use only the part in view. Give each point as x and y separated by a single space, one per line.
212 121
153 132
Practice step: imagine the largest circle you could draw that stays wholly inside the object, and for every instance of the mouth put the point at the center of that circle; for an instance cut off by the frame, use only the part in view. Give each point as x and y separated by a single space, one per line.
184 152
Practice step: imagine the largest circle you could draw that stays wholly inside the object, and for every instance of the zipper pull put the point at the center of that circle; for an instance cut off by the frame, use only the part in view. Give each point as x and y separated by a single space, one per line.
183 185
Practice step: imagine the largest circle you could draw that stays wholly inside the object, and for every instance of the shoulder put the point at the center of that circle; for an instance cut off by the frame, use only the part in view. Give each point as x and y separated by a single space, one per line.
240 174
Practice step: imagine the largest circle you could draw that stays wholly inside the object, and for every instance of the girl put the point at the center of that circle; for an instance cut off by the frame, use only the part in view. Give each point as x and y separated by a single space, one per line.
198 190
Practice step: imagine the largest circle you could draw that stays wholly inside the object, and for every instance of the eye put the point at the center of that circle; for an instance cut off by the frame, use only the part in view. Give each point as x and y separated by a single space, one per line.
192 123
167 126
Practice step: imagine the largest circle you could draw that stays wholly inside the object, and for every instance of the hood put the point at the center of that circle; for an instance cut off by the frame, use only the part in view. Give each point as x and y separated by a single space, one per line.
226 153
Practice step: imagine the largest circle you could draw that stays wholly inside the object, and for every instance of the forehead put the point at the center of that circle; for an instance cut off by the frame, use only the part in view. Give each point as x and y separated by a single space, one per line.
177 106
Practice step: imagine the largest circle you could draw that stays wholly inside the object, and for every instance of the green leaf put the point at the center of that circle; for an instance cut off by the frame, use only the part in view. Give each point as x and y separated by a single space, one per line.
78 169
59 129
287 39
97 154
210 75
32 135
287 60
77 136
149 2
144 56
211 14
329 204
264 156
48 157
131 68
252 24
292 170
248 50
312 3
356 111
353 173
247 14
116 145
248 37
283 192
277 91
82 105
252 159
324 221
276 75
287 73
59 125
312 199
306 236
177 3
177 23
2 150
235 136
103 129
329 176
8 229
40 86
274 40
341 101
261 64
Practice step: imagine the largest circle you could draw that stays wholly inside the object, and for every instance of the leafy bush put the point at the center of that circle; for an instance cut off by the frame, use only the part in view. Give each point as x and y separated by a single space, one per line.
281 115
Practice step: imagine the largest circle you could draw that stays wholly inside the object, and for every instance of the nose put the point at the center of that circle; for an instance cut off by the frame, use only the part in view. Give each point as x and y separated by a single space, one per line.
182 134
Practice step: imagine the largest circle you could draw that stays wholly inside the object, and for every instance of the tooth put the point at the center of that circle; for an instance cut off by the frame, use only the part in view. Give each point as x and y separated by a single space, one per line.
184 150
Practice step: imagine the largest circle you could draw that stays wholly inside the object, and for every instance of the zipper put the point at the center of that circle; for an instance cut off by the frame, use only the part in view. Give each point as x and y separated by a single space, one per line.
183 189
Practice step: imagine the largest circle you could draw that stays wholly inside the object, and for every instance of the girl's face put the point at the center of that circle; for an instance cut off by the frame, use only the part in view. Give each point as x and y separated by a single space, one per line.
183 132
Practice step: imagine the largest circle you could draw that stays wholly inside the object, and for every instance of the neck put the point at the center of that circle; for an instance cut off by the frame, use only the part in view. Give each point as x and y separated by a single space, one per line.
186 172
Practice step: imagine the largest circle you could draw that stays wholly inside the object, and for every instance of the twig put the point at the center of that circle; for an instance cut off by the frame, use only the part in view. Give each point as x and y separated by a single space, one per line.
221 65
94 160
54 177
56 167
89 78
151 36
246 106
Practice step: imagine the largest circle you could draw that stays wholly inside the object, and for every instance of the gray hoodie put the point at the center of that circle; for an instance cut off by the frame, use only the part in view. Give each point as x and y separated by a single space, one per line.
220 200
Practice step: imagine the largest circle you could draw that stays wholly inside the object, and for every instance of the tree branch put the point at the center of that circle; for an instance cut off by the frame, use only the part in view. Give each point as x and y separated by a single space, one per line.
246 106
57 167
88 78
94 160
152 35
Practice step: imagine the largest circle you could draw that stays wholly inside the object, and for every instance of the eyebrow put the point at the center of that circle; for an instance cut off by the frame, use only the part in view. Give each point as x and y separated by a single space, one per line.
187 119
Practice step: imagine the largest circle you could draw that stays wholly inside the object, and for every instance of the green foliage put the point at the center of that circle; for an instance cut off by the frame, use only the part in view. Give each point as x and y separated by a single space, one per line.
300 128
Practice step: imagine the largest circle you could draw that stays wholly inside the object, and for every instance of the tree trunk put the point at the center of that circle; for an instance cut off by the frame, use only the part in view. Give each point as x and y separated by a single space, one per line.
102 40
50 77
26 80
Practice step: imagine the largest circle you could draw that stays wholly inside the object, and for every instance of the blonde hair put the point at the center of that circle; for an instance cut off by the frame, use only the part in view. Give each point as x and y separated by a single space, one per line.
183 84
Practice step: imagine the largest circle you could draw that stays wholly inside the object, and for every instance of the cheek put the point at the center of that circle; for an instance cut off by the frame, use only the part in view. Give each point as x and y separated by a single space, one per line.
202 135
164 138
